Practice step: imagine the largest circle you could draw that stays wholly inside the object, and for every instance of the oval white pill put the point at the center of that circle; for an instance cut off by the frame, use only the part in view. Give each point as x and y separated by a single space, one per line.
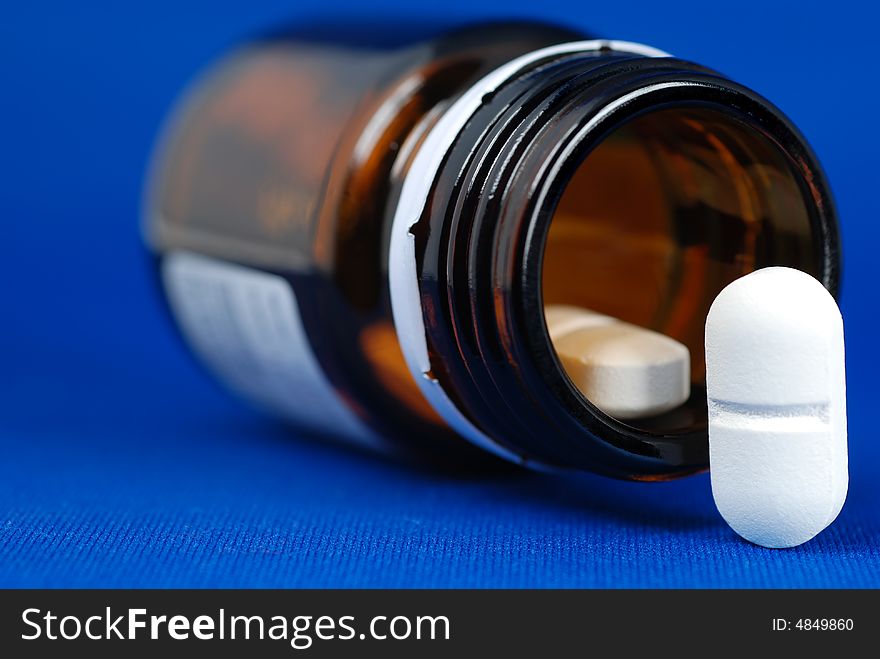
625 370
777 406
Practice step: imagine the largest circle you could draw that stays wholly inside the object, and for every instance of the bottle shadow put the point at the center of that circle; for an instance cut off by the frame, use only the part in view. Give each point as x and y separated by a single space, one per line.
685 504
421 491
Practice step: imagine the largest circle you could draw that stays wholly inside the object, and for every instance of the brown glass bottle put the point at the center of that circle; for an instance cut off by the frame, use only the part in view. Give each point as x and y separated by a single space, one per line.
364 236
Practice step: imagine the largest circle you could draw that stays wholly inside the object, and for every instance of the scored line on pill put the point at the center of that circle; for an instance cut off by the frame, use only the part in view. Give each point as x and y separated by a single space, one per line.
815 411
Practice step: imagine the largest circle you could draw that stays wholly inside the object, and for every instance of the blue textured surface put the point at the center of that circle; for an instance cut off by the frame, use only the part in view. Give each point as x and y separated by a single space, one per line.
121 464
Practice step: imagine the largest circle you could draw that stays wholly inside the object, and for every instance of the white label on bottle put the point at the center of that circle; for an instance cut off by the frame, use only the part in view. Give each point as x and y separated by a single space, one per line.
246 326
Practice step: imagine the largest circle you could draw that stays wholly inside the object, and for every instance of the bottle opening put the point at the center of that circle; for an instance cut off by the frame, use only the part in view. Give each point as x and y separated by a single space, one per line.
660 216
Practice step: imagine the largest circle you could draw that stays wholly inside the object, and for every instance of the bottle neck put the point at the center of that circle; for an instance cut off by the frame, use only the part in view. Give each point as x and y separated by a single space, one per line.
470 275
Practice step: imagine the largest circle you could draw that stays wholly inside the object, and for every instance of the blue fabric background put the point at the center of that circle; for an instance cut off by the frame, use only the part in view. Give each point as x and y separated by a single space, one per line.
121 464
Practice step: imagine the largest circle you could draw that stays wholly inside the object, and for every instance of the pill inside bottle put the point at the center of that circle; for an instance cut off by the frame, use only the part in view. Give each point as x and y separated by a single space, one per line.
659 217
626 371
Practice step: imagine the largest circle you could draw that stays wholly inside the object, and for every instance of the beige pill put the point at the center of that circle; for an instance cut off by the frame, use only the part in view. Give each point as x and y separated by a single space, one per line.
625 370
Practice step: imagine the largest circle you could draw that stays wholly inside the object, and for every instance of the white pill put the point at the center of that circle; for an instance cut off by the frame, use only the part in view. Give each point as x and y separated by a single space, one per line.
626 371
777 406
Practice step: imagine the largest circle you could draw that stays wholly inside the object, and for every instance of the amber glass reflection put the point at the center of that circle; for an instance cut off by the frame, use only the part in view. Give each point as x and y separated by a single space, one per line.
662 215
288 157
